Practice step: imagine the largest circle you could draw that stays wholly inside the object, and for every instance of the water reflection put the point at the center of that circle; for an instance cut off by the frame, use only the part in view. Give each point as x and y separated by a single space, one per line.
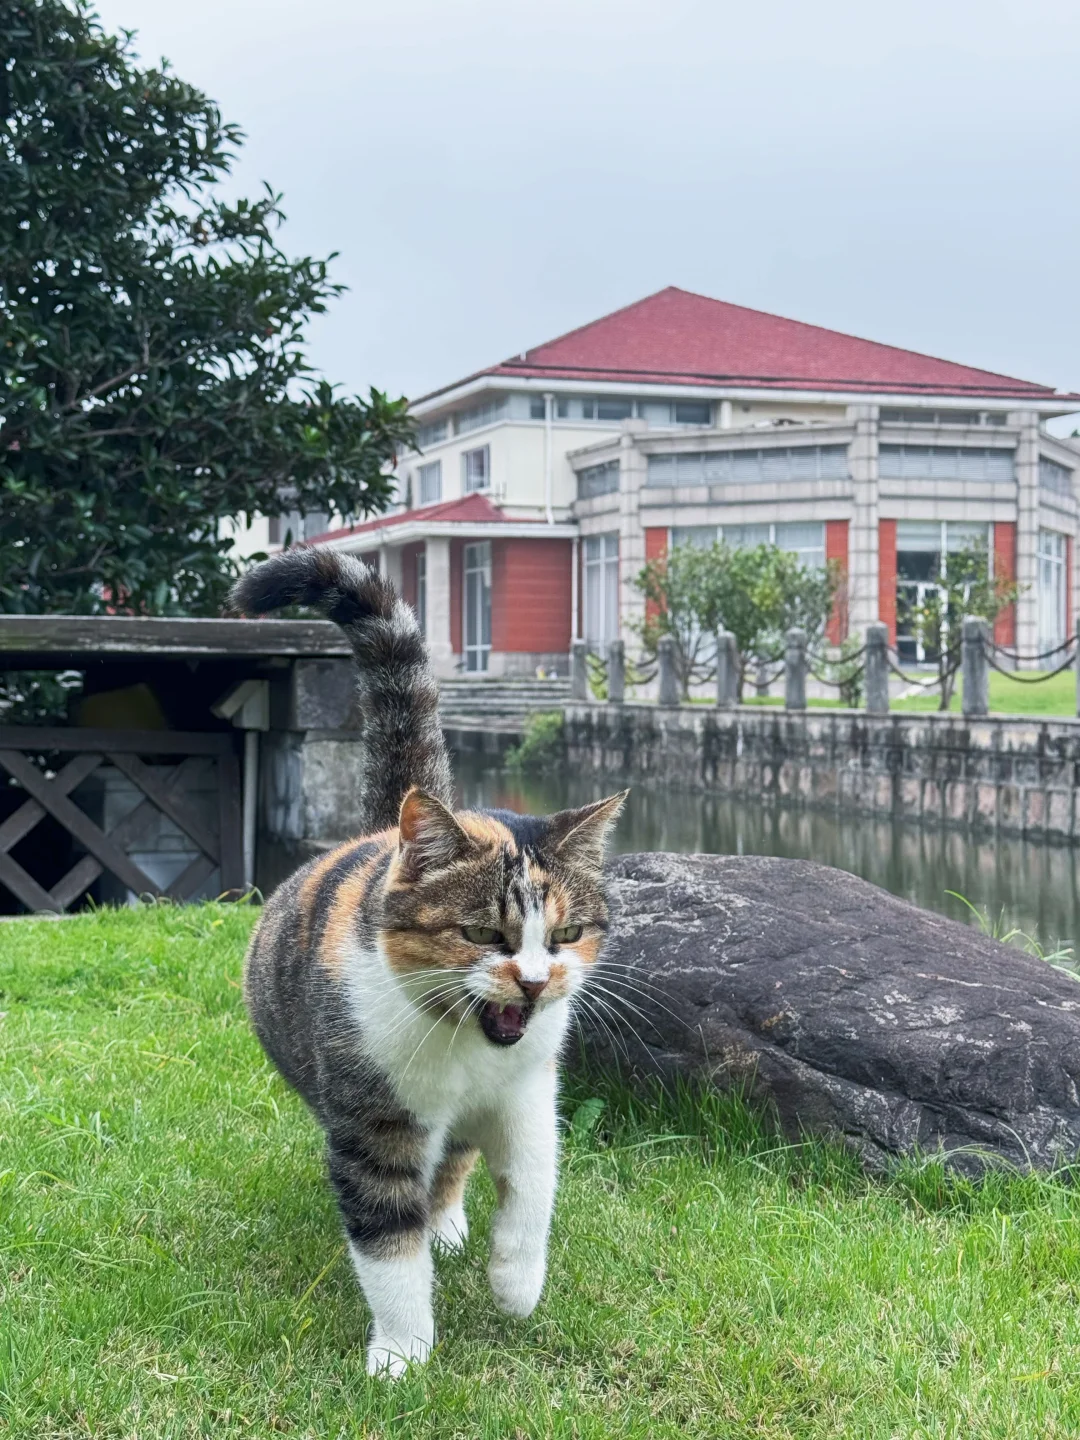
1035 885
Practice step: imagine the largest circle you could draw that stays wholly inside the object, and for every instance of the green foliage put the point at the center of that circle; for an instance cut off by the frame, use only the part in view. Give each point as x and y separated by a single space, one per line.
848 672
596 670
998 928
152 374
542 745
37 697
172 1266
966 588
756 593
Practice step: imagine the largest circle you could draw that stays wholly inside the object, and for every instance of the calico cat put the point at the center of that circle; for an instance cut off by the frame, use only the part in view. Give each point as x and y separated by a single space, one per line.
415 984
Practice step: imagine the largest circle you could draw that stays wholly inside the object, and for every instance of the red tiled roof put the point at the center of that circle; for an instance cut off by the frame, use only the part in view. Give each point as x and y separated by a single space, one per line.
473 509
677 337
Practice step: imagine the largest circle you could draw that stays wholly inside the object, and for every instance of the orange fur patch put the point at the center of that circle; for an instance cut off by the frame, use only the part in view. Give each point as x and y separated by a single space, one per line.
349 897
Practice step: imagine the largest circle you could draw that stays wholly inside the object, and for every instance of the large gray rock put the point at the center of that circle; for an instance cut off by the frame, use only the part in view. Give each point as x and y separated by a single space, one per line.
854 1013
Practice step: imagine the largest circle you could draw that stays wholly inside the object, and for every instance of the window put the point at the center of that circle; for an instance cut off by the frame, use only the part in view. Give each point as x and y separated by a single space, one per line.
421 591
942 417
485 414
806 540
692 412
431 483
742 467
432 434
476 469
598 480
601 589
922 561
1053 476
293 527
1053 601
477 596
536 407
943 462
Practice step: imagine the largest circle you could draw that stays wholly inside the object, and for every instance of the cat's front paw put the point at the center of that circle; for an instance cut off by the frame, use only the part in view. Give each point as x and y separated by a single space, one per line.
450 1228
391 1358
516 1284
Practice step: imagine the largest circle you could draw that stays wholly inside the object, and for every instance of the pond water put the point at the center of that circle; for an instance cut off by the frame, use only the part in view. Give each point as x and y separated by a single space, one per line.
1033 887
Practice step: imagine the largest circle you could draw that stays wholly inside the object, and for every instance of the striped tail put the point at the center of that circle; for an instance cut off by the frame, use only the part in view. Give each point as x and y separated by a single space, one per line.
403 740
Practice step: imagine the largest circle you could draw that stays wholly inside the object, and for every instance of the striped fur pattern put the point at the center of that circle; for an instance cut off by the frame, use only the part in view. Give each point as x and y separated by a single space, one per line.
415 986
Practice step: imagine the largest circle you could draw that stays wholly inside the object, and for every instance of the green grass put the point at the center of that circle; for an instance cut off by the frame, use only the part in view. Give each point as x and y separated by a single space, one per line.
1056 696
171 1262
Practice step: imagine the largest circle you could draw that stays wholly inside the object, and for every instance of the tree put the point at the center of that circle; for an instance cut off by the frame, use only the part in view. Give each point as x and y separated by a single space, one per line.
152 372
756 593
965 587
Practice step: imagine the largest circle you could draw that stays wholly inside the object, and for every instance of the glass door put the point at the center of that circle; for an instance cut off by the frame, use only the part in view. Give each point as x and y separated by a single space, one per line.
477 589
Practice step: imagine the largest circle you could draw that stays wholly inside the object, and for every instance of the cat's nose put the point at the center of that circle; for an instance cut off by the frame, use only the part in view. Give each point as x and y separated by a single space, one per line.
532 988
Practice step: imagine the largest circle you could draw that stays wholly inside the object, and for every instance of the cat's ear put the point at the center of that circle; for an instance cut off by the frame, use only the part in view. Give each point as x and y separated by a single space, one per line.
430 837
579 835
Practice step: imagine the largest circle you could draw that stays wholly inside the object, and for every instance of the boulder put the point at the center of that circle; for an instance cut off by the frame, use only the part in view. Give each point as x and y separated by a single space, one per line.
853 1013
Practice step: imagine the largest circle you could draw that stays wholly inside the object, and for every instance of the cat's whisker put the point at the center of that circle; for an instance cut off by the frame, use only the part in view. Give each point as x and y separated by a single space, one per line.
598 1007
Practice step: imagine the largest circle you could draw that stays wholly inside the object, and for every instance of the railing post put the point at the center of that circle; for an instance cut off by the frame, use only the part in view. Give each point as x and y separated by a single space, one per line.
616 671
795 670
727 670
974 648
669 680
1076 662
579 670
877 669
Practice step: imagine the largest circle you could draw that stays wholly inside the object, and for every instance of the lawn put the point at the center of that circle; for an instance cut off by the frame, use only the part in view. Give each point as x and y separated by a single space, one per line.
172 1267
1054 696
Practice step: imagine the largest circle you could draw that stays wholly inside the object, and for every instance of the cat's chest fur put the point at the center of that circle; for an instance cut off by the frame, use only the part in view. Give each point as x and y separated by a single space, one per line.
440 1071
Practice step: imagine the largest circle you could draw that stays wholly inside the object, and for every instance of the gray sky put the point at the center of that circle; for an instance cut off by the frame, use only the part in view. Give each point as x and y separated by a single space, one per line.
494 173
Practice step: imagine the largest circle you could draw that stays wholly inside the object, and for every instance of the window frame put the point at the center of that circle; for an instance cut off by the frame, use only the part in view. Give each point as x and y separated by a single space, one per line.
466 455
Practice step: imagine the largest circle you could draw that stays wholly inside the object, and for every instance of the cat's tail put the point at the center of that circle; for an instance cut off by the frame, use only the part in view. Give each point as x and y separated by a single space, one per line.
403 742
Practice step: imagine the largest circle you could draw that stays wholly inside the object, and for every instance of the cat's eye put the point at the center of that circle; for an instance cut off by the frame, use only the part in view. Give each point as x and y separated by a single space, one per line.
482 934
566 934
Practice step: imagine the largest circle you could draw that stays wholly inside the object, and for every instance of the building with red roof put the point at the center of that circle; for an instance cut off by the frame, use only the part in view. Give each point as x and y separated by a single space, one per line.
543 484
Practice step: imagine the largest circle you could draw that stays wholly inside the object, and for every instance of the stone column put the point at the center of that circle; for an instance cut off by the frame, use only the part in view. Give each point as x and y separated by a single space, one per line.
632 472
616 671
863 534
579 670
877 669
390 566
437 554
670 693
1027 531
727 670
795 669
974 649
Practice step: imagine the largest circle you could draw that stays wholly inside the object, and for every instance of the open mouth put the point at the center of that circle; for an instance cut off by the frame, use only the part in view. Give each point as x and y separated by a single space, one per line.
504 1024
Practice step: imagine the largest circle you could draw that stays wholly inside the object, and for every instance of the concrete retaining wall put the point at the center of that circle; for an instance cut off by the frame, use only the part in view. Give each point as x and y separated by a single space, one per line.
1011 774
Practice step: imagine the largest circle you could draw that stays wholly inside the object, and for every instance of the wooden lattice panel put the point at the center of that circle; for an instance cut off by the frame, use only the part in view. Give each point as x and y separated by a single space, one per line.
162 787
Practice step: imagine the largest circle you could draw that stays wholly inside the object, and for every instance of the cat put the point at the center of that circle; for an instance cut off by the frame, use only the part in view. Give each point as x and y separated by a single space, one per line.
415 985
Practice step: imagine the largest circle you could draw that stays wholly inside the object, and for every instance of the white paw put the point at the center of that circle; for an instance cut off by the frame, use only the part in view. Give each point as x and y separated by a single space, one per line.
516 1284
450 1229
391 1358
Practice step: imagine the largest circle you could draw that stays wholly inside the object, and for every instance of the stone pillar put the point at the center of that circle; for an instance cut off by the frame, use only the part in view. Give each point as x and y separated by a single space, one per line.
975 647
795 670
877 669
1027 531
616 671
440 646
579 670
727 670
863 534
390 566
670 693
633 469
